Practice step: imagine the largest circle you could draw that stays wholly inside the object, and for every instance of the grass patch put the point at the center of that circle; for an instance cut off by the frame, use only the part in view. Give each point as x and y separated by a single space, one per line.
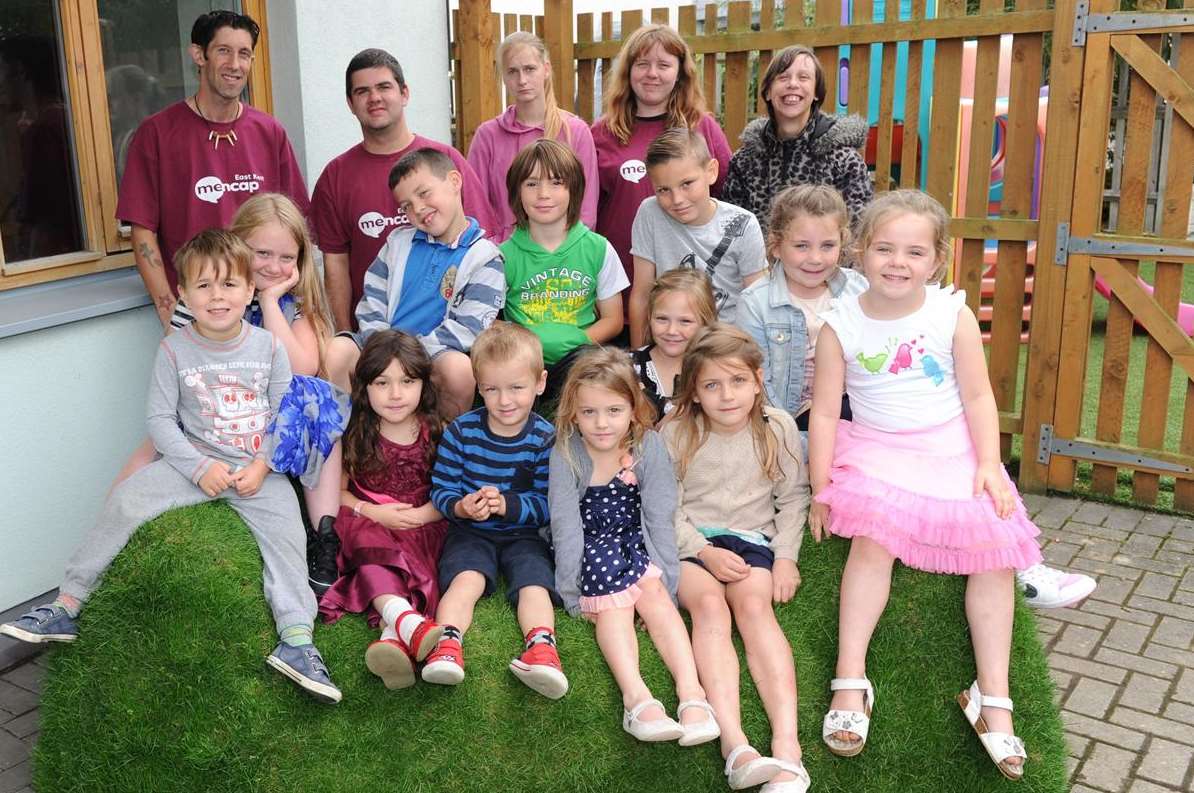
166 690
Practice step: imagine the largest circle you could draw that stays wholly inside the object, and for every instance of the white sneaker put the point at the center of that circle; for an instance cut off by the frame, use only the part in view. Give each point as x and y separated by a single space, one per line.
1046 588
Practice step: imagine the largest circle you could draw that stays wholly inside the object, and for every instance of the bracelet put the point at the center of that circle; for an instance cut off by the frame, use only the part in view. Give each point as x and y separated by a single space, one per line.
357 509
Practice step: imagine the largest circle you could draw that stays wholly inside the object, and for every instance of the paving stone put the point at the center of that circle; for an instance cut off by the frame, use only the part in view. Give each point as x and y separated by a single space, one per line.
1099 569
1061 679
1174 632
1093 532
17 777
1183 530
1184 690
1116 612
1101 550
1165 761
1080 616
26 725
1153 523
1182 560
1183 597
1112 590
1091 512
1152 565
1129 520
1161 607
1144 693
1047 626
12 751
1071 766
1077 745
1126 637
1155 585
1059 554
1105 732
1143 786
1145 722
1082 788
27 676
1136 663
1077 640
1176 546
15 699
1170 655
1056 512
1141 545
1091 697
1081 666
1107 767
1178 711
1034 502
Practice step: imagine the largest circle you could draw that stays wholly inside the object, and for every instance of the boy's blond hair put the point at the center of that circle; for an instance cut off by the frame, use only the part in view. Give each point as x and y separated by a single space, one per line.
677 143
223 250
504 341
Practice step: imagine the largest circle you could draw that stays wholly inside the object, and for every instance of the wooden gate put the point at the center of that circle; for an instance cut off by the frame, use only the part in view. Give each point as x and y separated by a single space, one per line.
1124 398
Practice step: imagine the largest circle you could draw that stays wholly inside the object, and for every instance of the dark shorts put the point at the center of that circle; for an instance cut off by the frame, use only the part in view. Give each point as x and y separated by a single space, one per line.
802 419
753 555
356 336
523 560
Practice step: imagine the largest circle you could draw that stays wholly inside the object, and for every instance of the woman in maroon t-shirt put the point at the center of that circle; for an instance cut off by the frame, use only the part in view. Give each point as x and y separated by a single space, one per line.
653 87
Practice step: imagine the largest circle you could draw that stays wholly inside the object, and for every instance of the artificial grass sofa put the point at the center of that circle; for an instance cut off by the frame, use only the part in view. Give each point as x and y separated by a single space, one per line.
166 689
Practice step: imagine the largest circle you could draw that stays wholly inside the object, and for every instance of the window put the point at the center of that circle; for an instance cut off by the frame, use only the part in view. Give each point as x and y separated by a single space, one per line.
76 79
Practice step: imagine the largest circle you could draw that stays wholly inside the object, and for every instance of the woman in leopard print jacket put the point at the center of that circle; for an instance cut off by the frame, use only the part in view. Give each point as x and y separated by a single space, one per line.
797 143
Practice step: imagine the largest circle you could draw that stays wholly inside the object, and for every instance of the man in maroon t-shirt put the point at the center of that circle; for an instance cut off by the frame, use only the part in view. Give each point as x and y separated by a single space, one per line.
193 164
353 210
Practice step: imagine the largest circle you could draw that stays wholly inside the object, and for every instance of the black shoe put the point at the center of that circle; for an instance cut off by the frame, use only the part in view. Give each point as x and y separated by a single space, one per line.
323 545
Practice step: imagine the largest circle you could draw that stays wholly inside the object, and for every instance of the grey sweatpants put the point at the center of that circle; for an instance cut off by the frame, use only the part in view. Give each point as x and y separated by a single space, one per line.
272 516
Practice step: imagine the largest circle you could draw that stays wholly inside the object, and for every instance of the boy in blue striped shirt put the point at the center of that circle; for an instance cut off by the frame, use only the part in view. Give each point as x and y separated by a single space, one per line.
490 482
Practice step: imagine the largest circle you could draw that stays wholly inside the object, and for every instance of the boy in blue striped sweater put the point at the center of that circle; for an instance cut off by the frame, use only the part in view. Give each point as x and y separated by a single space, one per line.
490 482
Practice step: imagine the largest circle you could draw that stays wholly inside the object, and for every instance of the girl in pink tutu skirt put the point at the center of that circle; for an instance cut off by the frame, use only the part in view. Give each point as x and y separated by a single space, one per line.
390 534
916 476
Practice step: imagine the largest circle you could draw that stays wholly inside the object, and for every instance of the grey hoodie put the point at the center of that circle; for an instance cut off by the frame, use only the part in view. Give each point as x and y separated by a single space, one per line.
825 152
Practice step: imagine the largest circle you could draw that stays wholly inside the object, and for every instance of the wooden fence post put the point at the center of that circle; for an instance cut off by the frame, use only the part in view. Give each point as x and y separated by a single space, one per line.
479 99
558 36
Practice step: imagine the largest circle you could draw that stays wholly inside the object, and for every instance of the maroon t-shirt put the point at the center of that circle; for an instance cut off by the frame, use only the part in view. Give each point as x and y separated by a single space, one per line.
178 183
624 182
353 209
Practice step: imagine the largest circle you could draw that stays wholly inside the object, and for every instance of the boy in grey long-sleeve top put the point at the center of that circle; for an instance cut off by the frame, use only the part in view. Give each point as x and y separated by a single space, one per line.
214 388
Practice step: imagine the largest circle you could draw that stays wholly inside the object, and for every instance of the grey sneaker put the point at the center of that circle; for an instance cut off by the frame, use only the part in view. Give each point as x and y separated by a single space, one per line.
304 665
48 623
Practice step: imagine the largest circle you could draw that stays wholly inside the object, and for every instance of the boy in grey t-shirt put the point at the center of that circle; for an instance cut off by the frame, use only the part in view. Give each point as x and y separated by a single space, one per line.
683 226
215 386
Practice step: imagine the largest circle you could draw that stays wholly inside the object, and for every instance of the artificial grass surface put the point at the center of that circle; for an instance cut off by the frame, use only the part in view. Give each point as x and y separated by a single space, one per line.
166 689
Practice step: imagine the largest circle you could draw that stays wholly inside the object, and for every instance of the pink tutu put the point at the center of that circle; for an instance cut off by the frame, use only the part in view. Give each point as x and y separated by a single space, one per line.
619 600
913 493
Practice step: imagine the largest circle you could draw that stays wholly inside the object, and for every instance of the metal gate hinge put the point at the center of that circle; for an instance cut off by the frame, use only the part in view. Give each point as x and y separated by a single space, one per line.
1101 246
1061 253
1050 445
1086 22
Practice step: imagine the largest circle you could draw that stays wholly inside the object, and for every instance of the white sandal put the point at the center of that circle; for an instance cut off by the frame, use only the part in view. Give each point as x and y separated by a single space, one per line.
751 773
798 785
999 745
664 729
701 732
853 721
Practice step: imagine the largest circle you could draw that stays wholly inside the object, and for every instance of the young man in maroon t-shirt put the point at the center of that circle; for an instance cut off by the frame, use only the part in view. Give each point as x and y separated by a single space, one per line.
353 209
193 164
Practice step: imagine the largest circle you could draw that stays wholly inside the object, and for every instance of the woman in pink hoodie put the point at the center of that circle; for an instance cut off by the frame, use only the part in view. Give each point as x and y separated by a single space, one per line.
526 71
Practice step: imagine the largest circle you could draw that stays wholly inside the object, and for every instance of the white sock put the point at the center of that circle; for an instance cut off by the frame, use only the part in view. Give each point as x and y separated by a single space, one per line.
388 632
410 622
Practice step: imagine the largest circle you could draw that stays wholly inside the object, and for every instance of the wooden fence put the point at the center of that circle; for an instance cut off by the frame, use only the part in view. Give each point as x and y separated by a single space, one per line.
1006 256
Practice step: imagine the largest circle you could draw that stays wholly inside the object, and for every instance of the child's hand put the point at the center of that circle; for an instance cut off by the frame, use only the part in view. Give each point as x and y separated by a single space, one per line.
495 500
385 514
274 293
402 517
989 477
248 479
785 580
474 506
818 520
725 566
216 480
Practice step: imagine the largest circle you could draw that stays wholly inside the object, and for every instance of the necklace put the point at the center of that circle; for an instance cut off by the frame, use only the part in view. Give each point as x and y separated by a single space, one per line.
212 135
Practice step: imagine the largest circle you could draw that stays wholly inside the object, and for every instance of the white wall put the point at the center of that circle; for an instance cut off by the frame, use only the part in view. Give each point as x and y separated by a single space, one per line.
311 43
76 408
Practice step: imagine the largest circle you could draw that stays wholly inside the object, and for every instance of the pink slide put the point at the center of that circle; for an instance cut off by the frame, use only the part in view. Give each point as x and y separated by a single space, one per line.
1185 311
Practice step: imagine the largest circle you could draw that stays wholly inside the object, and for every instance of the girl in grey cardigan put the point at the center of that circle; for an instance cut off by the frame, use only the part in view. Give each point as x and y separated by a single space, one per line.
613 496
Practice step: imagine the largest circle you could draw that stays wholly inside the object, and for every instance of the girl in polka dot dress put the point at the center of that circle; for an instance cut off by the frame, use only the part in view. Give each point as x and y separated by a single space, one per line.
613 497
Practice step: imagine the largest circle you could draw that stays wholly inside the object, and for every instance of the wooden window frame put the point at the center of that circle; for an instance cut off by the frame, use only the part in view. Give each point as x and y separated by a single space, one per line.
105 246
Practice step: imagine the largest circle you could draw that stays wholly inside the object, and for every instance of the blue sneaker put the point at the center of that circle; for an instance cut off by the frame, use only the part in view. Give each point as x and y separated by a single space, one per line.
304 665
48 623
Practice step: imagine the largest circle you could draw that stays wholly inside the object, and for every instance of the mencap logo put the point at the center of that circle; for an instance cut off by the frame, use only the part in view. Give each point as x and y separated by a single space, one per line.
211 188
633 171
372 224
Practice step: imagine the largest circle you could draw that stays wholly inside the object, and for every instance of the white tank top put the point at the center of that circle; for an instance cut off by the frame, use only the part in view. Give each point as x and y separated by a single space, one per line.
900 372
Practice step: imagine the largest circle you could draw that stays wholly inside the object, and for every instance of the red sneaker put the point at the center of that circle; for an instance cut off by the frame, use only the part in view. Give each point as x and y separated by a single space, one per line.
539 667
445 664
424 639
390 661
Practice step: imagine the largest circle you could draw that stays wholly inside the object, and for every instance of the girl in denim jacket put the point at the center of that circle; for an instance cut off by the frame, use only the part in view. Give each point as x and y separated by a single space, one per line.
806 235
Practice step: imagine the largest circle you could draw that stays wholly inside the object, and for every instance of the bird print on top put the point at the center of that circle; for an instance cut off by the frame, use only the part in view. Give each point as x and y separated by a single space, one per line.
902 355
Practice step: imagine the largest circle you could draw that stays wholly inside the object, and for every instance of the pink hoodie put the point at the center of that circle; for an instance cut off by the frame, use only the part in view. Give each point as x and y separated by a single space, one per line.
499 139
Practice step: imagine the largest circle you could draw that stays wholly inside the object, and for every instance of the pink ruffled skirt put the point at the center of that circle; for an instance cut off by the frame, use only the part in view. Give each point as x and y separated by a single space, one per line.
913 493
619 600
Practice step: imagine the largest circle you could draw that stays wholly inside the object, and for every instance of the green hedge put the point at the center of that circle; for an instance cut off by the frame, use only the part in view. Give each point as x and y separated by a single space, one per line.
167 690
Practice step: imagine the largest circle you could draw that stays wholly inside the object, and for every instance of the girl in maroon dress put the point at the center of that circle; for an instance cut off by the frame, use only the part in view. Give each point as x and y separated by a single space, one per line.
390 534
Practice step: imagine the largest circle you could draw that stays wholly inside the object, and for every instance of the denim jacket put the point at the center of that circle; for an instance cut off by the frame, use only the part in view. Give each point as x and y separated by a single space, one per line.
768 314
